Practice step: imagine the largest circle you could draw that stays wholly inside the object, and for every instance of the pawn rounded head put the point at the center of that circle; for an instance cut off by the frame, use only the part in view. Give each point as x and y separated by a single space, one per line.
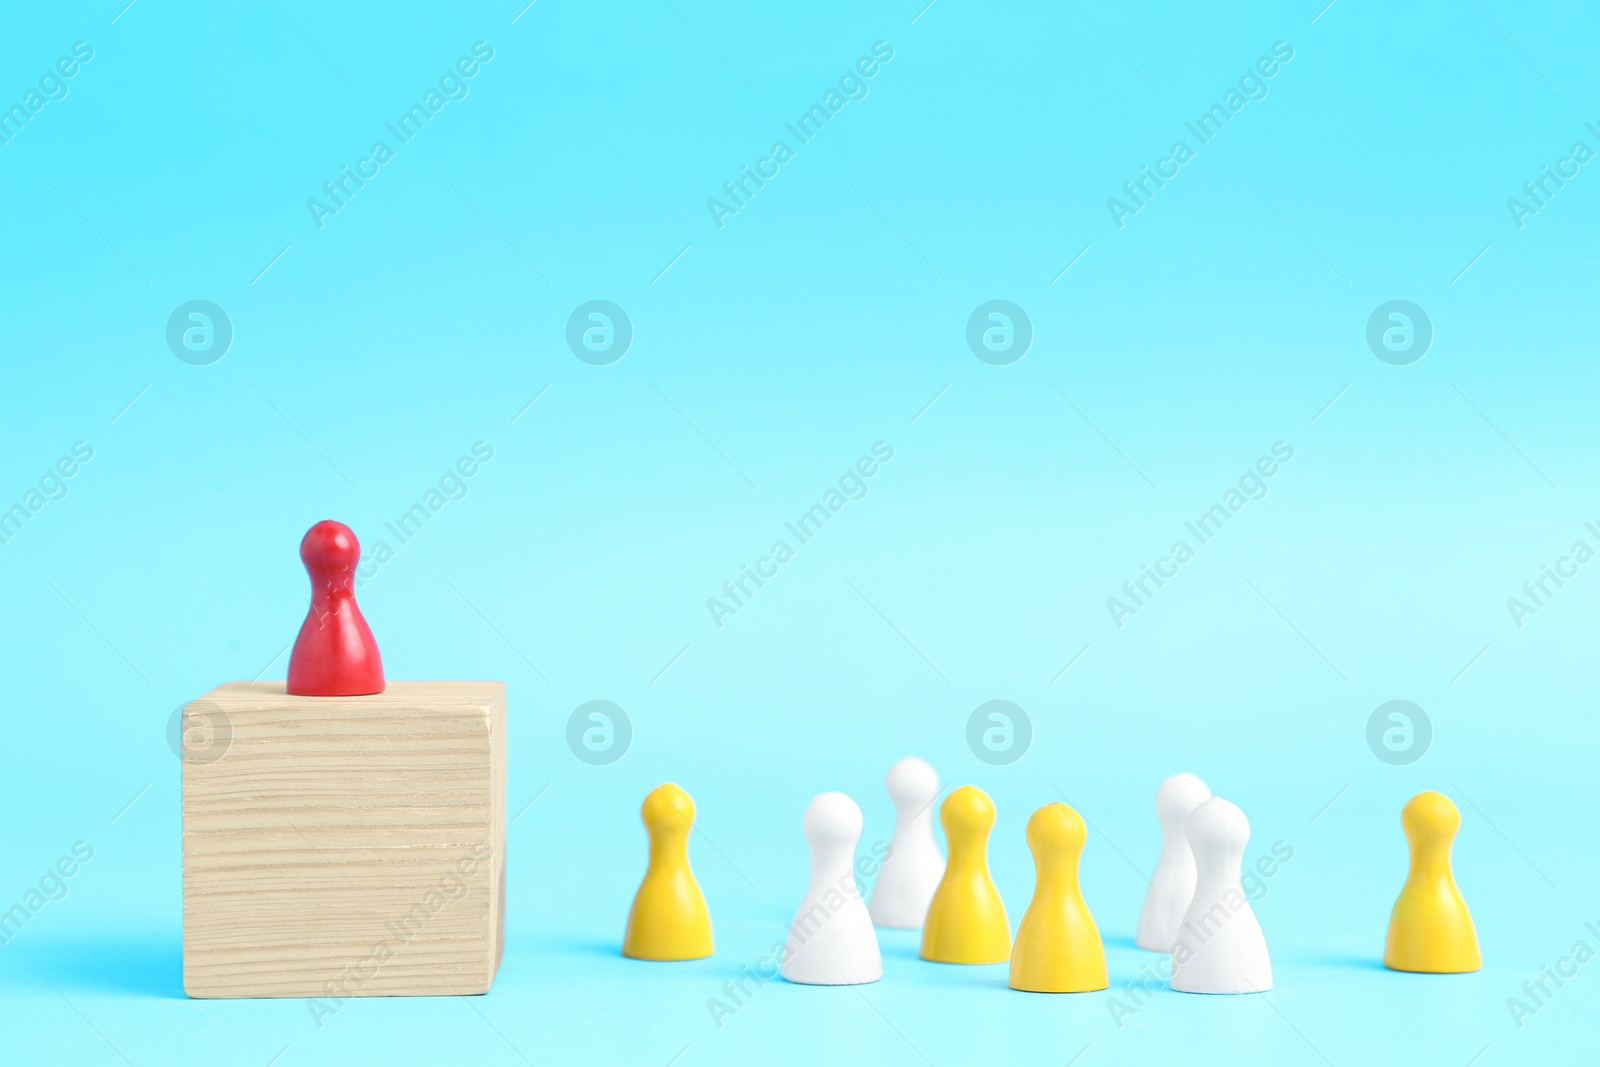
1178 796
667 807
911 782
967 808
1217 824
1056 827
831 817
1430 815
330 544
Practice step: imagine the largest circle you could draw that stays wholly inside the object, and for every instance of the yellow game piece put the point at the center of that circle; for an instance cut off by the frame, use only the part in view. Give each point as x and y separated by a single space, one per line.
669 920
1058 947
1430 929
966 920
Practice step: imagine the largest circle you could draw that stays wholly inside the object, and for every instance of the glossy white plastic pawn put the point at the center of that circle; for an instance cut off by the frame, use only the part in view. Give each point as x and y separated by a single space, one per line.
1220 947
913 867
1172 887
831 941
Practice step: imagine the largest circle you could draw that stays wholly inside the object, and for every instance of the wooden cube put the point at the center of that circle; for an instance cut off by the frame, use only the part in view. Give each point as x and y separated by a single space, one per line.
344 846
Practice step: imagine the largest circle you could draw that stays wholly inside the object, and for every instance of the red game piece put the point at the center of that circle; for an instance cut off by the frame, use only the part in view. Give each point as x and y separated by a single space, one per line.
335 654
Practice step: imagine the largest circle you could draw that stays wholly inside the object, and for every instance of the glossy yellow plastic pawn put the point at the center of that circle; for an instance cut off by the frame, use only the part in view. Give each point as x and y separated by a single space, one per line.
1430 929
966 920
1058 947
669 920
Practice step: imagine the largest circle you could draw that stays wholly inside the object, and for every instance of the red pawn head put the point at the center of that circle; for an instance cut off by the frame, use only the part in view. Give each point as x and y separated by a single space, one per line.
335 654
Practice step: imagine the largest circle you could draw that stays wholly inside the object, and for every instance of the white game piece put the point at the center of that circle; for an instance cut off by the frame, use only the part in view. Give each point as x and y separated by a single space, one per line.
831 941
1173 885
1220 947
913 868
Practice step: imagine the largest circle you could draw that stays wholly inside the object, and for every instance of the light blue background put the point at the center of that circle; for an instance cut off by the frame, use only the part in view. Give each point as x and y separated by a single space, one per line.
827 315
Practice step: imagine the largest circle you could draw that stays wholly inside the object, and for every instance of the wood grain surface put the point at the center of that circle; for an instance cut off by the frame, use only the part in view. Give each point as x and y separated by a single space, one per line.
344 846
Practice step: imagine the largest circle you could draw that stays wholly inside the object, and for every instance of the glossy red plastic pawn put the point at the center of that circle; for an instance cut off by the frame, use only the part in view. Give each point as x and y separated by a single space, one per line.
335 654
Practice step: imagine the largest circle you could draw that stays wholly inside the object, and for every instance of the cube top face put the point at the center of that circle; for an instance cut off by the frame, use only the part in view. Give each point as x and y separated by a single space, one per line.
339 846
